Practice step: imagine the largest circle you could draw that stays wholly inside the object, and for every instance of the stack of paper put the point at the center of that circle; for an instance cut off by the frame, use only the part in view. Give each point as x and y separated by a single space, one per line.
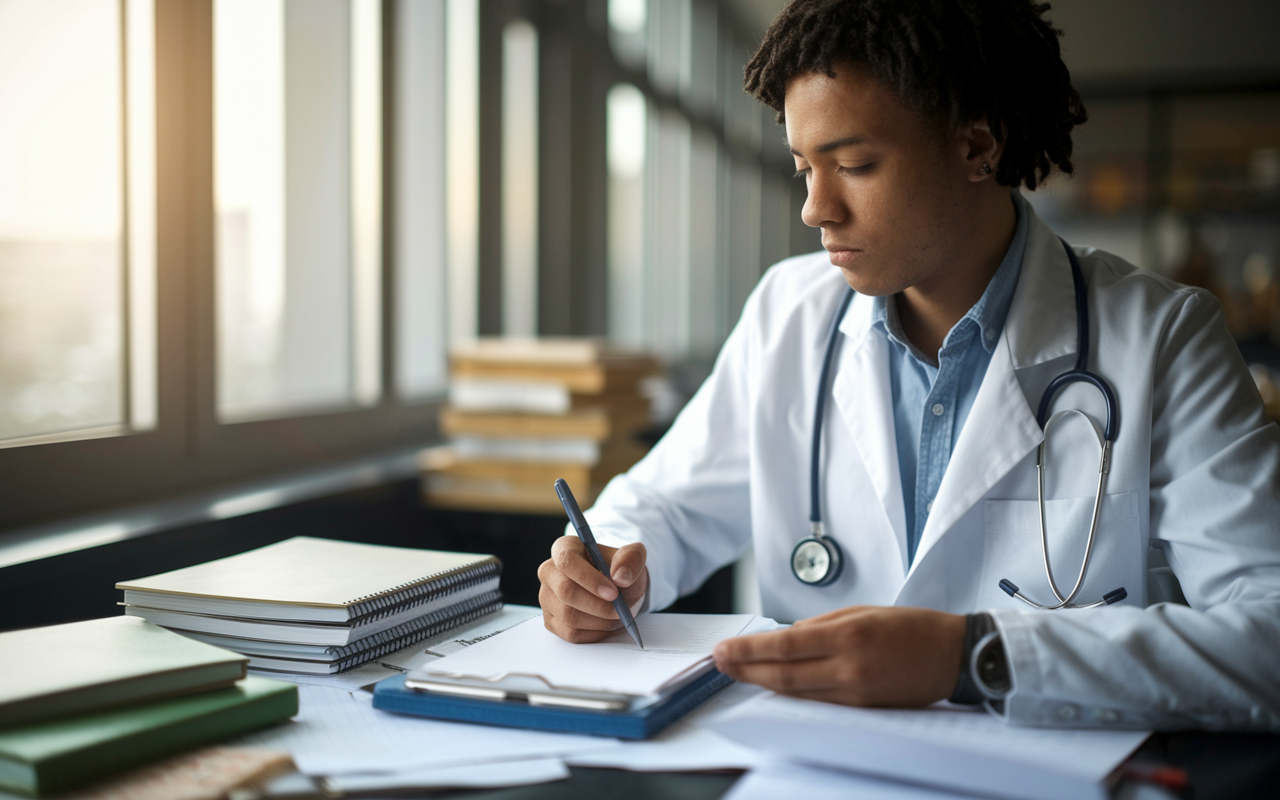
524 412
83 700
319 606
945 747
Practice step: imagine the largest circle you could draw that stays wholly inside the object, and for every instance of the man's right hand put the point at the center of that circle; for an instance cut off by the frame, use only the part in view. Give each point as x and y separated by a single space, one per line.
577 600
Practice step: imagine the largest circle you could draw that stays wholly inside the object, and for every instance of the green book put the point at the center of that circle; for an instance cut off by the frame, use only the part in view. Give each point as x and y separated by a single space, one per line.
60 754
64 670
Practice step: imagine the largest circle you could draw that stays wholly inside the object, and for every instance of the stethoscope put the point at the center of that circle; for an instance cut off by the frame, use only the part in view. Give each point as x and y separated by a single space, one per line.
817 560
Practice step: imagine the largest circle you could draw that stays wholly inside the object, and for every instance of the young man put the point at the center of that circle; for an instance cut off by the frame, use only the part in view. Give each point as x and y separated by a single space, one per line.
913 125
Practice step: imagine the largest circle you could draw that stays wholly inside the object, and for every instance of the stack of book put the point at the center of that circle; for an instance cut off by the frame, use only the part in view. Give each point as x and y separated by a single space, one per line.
319 606
524 412
83 700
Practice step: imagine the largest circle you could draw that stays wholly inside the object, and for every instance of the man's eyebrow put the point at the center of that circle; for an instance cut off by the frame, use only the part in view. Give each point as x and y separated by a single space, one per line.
829 146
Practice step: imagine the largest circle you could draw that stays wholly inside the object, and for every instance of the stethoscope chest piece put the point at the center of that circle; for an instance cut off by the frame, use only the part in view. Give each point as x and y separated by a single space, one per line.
816 560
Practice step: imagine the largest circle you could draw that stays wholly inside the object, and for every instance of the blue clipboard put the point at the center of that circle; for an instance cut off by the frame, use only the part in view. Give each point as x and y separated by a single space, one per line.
642 723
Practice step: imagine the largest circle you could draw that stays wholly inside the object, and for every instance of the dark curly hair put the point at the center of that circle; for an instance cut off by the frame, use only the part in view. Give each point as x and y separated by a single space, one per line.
952 61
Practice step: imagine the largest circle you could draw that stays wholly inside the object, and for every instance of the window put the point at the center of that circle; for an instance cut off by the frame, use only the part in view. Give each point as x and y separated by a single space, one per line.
519 179
627 135
297 117
227 236
697 209
77 205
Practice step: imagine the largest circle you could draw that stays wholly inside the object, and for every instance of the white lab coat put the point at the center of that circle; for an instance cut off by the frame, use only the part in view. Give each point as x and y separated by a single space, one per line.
1195 472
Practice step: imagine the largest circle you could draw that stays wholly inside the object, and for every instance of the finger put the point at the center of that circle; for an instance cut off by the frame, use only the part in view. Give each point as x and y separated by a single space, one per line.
573 617
569 633
793 677
570 556
789 644
832 616
635 592
627 564
571 593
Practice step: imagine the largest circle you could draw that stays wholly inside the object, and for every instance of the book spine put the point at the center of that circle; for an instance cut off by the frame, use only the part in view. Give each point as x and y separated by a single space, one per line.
365 609
80 766
473 609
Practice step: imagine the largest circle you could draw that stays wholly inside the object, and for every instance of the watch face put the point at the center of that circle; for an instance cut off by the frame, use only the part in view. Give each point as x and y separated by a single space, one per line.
810 561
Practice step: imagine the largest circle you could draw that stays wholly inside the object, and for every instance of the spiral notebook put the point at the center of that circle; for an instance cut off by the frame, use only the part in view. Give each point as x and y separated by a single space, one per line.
319 606
317 581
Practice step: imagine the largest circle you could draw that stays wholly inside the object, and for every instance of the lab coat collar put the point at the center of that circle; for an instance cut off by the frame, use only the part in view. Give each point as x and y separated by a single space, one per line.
1041 325
1001 429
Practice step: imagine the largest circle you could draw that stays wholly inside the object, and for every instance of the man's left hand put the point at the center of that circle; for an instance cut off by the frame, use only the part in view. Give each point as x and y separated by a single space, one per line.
860 656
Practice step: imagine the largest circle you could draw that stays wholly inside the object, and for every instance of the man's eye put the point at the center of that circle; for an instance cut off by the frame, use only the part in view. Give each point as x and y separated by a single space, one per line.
862 169
802 173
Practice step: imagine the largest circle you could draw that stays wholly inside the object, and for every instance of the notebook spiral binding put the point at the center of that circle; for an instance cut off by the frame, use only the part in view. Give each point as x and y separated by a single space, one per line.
432 624
396 599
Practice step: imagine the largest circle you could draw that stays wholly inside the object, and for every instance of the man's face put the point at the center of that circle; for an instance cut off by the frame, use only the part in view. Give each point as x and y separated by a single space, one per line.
885 187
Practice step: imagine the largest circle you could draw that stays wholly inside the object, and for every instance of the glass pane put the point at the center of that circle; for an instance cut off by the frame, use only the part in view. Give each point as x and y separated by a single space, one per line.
62 274
706 278
421 366
667 206
743 236
626 128
519 179
297 157
627 22
462 132
667 22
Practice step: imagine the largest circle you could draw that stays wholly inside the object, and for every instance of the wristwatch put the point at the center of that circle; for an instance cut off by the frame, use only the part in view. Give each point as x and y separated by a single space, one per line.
989 667
984 668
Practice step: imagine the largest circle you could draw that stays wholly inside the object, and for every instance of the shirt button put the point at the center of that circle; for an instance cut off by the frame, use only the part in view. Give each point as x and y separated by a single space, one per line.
1068 712
937 409
1108 715
929 506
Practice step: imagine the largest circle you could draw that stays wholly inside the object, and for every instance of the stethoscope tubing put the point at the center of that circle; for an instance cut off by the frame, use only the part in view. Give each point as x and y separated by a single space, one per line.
815 451
1080 374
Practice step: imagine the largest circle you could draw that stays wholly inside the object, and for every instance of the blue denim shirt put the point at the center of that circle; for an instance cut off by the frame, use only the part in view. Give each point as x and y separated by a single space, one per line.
931 403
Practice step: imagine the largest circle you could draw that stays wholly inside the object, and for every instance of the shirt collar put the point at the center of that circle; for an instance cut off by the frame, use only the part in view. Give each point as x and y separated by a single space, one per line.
991 310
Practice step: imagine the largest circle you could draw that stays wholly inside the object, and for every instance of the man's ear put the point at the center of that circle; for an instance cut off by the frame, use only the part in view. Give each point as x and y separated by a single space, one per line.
980 149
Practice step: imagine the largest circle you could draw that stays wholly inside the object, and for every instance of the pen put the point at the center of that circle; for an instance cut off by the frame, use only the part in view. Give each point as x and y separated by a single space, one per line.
584 533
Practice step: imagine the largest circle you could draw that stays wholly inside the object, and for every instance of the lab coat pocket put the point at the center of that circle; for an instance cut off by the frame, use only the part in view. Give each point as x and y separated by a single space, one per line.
1013 550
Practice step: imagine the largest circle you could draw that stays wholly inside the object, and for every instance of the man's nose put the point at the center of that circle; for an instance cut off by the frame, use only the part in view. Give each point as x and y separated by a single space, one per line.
823 206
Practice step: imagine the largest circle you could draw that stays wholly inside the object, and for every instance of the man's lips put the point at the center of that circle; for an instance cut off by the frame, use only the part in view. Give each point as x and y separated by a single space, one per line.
843 256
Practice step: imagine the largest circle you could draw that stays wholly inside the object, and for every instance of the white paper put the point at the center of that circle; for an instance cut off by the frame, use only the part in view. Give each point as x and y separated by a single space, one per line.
338 732
507 773
687 746
350 681
673 644
943 746
415 655
775 779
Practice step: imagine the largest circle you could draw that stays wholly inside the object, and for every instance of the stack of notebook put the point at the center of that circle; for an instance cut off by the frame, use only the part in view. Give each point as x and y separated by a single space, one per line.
83 700
319 606
524 412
